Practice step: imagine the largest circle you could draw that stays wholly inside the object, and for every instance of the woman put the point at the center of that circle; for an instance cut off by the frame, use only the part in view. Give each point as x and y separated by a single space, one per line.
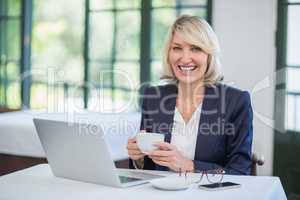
207 125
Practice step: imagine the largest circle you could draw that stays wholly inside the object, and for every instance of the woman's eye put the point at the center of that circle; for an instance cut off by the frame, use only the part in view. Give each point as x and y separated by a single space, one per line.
196 49
176 48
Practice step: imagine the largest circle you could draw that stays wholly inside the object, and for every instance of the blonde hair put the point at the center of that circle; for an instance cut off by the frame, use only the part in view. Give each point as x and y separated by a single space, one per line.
198 32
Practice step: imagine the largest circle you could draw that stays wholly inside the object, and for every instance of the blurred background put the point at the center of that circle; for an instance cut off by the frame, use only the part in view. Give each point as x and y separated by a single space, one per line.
96 55
74 40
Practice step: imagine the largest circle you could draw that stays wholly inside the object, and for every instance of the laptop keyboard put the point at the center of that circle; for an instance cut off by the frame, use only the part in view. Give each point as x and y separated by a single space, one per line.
125 179
139 175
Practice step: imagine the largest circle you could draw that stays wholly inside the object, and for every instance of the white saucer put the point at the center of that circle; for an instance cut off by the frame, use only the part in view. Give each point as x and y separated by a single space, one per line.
172 183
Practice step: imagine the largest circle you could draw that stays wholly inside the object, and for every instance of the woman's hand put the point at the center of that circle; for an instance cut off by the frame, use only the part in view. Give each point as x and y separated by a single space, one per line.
133 151
169 156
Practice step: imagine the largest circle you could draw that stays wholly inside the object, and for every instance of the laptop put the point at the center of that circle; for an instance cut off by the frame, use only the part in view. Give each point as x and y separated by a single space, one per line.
76 152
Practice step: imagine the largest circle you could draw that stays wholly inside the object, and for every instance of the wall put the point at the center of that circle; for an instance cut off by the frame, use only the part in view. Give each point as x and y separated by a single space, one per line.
246 30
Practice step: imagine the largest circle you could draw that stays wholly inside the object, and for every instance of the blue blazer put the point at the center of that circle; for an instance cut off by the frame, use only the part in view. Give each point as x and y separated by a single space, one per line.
225 128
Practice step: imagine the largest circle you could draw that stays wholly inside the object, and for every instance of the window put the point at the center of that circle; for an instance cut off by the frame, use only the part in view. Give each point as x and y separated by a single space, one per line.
92 54
287 101
292 64
57 62
113 58
10 46
126 38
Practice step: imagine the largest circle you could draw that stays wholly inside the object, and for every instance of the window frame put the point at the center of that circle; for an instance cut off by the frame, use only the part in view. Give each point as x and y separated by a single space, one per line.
281 90
145 57
24 57
24 61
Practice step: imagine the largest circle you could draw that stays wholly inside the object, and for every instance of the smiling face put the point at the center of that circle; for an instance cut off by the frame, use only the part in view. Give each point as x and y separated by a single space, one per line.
188 62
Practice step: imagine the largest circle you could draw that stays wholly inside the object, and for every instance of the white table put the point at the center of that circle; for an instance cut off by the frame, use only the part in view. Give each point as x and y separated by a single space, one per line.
39 183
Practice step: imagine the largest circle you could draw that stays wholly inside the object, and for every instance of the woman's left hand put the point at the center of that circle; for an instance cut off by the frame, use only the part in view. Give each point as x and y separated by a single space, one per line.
167 155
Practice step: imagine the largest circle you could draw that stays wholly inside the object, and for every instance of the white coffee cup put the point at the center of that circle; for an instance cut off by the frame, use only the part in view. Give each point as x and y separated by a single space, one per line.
146 141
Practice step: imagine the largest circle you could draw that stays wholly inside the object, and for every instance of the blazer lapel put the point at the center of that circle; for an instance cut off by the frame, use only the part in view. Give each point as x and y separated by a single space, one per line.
167 116
169 106
208 116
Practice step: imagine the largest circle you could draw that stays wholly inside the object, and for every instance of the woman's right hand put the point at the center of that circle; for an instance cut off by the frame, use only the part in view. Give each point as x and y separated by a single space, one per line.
133 150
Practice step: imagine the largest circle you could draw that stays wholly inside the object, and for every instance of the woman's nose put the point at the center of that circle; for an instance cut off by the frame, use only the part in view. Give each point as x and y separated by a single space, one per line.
186 57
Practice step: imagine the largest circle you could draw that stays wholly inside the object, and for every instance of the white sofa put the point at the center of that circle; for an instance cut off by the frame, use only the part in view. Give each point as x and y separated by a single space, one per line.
18 135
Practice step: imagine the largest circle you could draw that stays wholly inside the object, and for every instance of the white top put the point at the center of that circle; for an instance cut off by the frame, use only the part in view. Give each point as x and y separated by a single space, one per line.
39 183
184 135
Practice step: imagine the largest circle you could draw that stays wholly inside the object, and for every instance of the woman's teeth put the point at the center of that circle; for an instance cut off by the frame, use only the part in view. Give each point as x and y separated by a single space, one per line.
185 68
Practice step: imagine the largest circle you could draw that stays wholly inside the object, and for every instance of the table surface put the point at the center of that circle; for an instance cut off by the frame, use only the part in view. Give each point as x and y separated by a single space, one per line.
38 182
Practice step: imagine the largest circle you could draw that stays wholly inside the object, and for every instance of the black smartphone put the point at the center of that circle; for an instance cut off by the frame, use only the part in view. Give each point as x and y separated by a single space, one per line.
220 186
